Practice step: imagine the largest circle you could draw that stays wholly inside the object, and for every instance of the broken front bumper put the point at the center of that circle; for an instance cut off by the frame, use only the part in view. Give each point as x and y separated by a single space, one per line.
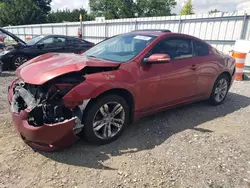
49 137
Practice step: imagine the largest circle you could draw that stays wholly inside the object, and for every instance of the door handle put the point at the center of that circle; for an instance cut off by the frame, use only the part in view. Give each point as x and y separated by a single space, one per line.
193 67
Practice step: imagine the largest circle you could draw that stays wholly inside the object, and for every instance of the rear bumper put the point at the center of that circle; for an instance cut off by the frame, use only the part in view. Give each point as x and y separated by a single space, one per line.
49 137
1 67
5 66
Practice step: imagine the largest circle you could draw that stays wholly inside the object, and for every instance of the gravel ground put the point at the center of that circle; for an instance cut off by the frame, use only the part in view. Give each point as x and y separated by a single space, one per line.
194 146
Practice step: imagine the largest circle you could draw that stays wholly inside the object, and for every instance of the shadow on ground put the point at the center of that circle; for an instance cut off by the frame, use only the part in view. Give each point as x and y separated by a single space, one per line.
7 74
149 132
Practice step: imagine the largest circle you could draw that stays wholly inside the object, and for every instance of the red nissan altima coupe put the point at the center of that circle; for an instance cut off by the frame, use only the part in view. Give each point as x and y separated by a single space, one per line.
59 97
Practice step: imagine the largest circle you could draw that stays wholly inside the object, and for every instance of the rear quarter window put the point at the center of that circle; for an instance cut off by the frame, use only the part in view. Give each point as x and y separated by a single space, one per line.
75 41
201 49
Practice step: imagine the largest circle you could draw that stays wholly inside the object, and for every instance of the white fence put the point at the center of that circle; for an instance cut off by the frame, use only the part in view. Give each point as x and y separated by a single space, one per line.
221 29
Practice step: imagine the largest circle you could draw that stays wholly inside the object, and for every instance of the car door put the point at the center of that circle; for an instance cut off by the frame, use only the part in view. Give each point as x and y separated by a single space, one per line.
173 82
52 44
208 67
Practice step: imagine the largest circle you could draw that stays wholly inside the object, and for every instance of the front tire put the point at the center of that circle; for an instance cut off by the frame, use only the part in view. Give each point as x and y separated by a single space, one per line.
105 119
220 90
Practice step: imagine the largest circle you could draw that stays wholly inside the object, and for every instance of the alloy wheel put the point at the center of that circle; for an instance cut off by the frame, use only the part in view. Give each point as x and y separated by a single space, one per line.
109 120
19 61
221 90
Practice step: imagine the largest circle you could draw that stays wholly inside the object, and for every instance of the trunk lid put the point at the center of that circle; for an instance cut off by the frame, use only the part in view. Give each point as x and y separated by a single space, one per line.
17 39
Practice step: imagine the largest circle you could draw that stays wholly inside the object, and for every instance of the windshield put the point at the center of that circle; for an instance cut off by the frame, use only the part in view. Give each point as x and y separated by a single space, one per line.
121 48
34 40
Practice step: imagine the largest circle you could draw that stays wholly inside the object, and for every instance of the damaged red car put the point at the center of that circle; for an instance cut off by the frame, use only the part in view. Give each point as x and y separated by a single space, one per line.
58 98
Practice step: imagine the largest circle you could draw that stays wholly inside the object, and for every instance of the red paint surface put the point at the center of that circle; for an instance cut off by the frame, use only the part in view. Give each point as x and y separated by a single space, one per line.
154 87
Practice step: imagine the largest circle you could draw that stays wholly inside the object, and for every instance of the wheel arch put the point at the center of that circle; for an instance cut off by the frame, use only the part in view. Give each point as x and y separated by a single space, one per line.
227 74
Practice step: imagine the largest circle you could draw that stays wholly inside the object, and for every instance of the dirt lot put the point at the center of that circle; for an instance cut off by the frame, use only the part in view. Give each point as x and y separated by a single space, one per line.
194 146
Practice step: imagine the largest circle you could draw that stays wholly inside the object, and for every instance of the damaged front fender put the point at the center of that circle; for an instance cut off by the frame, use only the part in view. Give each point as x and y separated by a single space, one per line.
44 125
97 84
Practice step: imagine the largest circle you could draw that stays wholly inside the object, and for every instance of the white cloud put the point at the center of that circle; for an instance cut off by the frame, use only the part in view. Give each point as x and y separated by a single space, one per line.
243 6
203 6
69 4
200 6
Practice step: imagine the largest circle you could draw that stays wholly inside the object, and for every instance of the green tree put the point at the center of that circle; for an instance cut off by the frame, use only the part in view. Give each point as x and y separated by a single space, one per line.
213 11
44 5
68 15
149 8
126 8
16 12
188 8
113 9
107 8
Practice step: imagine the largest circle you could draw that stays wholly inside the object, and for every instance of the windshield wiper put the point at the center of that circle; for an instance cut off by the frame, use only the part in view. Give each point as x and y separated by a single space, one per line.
92 56
95 57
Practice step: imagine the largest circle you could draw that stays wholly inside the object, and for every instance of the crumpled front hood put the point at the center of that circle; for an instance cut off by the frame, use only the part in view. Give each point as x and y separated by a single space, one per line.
48 66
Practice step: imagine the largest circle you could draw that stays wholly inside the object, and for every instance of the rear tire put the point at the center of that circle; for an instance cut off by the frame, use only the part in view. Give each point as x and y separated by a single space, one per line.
220 90
101 125
17 61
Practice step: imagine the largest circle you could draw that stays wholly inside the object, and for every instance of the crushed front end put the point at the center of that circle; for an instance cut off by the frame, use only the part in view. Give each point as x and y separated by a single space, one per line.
41 116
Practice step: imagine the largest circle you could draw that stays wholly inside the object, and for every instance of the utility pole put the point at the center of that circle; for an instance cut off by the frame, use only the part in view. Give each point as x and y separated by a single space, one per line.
80 33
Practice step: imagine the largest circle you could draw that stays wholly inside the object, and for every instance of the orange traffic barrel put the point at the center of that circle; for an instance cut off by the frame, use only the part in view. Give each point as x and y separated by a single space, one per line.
240 59
28 38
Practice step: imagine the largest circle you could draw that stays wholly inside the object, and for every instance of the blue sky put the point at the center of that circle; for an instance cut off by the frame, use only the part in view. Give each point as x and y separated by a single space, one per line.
201 6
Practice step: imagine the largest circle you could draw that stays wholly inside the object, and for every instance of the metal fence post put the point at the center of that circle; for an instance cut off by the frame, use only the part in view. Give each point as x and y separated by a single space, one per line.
244 27
136 25
106 30
41 30
52 29
32 32
24 33
17 31
66 29
180 25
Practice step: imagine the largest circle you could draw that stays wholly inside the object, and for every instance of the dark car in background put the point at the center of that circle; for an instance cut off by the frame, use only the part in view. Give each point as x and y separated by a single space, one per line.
2 46
15 54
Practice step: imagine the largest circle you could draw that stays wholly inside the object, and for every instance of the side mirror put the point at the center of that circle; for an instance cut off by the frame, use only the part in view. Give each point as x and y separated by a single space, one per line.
40 46
157 59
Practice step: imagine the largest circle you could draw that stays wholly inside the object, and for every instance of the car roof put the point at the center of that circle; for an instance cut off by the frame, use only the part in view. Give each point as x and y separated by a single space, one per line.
165 32
54 35
155 32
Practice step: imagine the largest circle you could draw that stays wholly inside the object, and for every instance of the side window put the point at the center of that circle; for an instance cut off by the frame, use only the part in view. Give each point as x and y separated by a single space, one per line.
176 48
53 41
201 49
73 41
47 41
60 40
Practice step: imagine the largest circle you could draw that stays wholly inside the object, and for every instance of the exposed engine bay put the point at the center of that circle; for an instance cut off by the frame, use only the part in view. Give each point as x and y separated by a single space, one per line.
9 47
44 102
